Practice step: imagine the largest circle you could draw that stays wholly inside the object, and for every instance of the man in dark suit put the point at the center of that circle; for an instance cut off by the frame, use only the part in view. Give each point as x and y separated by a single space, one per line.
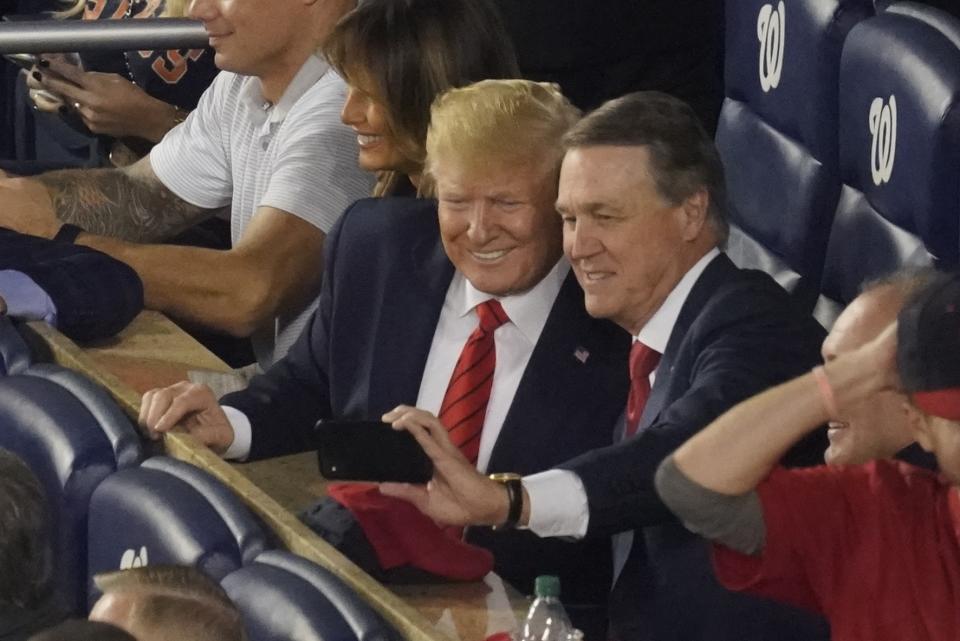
403 290
641 195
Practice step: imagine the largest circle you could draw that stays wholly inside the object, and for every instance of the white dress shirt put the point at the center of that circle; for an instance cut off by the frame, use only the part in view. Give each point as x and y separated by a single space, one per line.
558 501
514 342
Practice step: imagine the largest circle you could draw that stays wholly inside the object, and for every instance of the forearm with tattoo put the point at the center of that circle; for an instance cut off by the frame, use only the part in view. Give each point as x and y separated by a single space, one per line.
123 204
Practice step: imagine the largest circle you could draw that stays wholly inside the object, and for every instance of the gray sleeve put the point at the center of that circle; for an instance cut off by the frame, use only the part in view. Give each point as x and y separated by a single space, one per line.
734 521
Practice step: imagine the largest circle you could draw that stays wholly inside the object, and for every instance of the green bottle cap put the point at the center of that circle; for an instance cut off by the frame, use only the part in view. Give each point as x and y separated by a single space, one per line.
547 585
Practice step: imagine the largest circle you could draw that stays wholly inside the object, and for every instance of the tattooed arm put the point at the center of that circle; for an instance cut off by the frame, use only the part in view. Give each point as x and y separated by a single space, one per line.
130 204
274 267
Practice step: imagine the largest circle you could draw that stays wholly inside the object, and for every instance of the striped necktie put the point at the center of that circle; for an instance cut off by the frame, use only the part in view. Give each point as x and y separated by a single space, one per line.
465 402
643 360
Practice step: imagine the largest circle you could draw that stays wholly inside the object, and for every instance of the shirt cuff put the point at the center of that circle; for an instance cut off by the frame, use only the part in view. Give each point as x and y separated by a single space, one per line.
25 299
239 450
558 504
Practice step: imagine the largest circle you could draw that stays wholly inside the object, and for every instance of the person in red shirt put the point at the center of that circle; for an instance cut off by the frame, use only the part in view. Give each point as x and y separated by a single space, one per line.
874 547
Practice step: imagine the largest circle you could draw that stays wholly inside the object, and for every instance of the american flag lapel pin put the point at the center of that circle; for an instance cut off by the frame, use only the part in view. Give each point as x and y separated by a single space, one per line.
581 354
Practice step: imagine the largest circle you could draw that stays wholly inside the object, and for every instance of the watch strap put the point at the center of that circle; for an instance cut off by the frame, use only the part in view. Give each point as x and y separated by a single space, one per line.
68 233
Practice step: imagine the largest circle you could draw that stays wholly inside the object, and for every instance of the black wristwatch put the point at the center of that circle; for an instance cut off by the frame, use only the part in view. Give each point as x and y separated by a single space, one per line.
514 488
68 233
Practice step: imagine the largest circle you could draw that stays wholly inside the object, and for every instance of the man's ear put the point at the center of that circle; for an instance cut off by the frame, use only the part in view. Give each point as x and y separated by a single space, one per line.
694 209
919 426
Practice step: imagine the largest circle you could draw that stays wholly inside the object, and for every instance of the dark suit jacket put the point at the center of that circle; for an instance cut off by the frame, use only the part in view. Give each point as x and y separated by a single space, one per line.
385 279
737 334
95 295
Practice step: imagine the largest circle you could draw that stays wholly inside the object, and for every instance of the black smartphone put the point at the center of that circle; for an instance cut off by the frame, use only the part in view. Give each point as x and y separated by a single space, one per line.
370 451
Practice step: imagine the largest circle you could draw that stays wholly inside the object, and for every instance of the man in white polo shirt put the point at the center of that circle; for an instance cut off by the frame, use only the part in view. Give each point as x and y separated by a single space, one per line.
265 141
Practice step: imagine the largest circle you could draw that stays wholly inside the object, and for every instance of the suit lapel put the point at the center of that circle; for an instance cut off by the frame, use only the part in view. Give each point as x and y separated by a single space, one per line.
716 273
547 388
408 318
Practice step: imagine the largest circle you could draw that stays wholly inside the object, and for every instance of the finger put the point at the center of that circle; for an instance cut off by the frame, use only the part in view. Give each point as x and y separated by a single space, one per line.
159 403
71 92
190 400
431 447
145 401
437 430
395 413
414 494
70 72
152 404
45 101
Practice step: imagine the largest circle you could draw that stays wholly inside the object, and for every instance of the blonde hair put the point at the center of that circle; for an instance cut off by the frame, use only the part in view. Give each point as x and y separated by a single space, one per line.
177 602
502 121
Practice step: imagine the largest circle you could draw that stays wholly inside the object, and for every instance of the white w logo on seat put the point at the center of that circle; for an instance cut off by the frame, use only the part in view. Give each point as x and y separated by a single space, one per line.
883 127
131 559
771 30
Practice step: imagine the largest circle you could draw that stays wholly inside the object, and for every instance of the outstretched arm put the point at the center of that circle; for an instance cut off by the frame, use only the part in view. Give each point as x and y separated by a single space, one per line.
731 456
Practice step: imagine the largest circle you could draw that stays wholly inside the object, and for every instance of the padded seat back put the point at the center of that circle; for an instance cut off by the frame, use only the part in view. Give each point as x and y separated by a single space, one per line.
282 596
899 150
167 511
777 133
61 442
14 353
123 436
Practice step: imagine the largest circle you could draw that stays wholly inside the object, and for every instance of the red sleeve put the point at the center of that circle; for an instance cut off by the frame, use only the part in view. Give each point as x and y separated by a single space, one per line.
815 520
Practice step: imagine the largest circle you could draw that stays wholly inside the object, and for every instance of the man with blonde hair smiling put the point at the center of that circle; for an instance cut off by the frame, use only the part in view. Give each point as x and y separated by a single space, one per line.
462 307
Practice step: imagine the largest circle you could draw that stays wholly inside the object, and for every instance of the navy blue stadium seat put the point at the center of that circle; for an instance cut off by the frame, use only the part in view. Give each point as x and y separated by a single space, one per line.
167 511
60 440
777 133
123 436
899 150
14 353
285 597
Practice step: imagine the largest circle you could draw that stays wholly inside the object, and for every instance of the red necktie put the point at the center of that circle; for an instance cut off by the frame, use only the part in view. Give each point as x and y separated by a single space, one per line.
465 403
643 360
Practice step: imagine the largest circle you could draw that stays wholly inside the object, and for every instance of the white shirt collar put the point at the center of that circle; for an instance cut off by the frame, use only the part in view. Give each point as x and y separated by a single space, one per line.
262 112
656 333
527 310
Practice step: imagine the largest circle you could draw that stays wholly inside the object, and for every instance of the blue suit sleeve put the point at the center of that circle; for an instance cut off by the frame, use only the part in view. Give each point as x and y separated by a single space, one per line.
733 360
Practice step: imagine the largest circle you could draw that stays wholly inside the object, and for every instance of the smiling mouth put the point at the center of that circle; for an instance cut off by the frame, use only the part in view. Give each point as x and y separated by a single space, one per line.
368 140
490 256
836 427
595 276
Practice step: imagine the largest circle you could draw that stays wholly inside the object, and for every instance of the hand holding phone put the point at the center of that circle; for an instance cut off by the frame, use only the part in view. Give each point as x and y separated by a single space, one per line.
370 451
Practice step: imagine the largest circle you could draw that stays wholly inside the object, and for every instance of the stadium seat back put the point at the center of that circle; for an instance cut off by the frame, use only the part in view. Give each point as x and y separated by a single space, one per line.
14 353
899 150
782 62
283 596
61 442
123 437
167 511
777 134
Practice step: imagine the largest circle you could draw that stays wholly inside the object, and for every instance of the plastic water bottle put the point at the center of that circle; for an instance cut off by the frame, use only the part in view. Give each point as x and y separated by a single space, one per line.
546 619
